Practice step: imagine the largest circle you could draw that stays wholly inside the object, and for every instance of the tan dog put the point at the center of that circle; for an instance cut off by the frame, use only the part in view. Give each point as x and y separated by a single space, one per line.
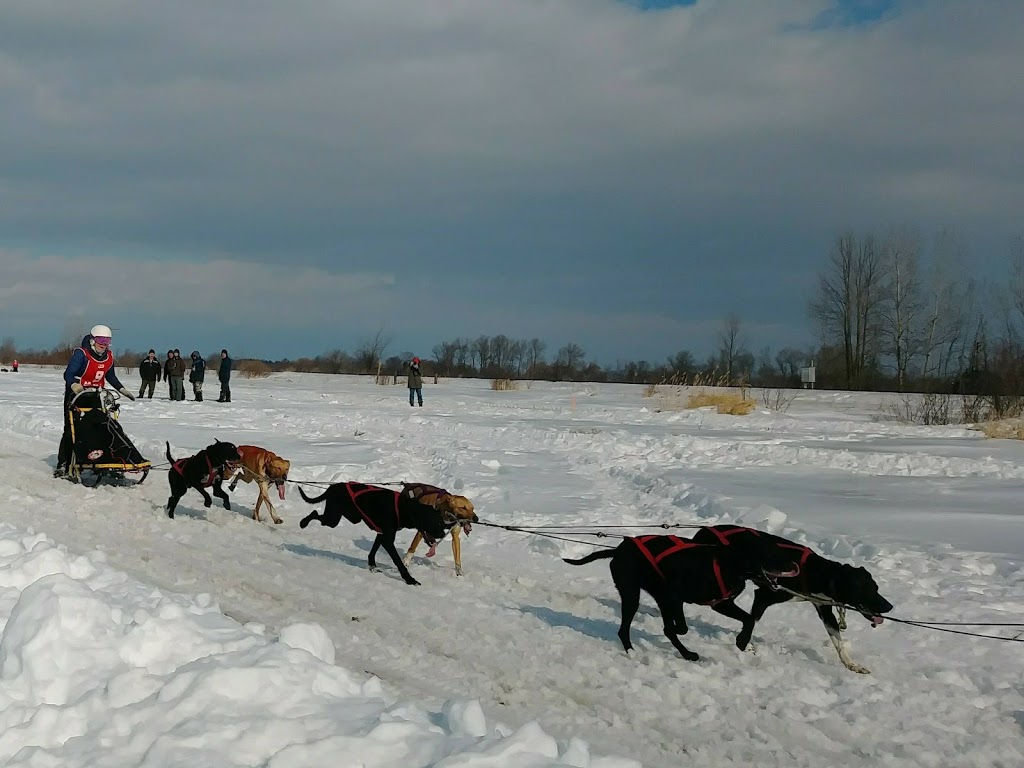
265 467
458 510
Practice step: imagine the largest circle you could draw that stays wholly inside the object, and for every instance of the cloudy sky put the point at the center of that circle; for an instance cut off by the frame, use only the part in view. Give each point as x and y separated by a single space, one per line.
284 178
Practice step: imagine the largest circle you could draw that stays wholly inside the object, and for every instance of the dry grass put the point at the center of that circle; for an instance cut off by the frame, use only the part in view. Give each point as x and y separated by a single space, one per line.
502 385
650 390
253 369
1007 429
732 403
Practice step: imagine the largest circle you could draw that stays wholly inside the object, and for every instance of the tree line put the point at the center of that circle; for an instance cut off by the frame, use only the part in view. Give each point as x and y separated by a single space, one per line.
890 312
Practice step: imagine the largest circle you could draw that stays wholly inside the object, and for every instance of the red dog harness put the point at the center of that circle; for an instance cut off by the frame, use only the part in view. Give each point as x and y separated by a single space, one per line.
676 544
364 489
179 466
723 535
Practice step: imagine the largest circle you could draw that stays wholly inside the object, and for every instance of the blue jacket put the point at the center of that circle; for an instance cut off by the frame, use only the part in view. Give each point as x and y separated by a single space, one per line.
198 372
77 364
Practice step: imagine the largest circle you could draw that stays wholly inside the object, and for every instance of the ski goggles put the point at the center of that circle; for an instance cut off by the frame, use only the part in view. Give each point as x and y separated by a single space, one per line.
104 340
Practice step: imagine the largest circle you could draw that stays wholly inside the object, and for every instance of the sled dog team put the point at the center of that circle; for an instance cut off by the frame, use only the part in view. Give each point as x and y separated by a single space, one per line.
710 569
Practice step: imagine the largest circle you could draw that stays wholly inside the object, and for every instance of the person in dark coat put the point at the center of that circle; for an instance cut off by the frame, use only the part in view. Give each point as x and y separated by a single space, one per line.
415 382
90 368
224 374
150 370
167 373
196 375
176 368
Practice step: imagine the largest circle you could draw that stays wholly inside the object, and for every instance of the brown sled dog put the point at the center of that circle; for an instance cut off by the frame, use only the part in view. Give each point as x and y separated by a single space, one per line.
265 467
452 506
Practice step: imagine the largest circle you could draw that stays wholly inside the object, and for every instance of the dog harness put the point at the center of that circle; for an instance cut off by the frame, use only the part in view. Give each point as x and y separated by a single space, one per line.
676 544
723 535
179 466
416 490
365 489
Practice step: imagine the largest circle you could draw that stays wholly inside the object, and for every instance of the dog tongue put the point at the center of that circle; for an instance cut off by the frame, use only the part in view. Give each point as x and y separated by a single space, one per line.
876 620
432 551
280 491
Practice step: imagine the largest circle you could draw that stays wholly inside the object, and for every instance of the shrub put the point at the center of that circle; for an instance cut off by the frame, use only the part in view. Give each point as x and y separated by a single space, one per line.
775 399
732 403
253 369
500 385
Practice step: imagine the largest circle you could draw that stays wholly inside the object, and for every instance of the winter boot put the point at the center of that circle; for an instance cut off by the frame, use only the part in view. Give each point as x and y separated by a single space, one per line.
199 397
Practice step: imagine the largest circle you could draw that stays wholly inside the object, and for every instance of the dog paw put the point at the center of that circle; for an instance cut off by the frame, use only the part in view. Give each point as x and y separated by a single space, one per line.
459 572
207 503
691 656
413 583
858 669
278 521
227 505
303 522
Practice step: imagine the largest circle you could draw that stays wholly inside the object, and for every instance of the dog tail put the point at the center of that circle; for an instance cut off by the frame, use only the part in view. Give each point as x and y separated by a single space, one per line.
601 554
309 500
169 457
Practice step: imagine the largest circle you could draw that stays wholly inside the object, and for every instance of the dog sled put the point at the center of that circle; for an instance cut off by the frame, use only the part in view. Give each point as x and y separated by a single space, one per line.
101 451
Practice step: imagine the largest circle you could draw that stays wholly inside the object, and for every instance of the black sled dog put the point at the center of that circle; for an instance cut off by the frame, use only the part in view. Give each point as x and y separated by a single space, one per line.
207 468
674 571
384 511
823 582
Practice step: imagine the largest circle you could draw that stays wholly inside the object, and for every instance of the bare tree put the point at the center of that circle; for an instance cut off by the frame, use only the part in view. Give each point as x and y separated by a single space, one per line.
8 349
901 305
481 351
1015 287
371 351
534 353
501 351
682 363
569 359
944 293
790 361
517 353
847 302
732 345
444 354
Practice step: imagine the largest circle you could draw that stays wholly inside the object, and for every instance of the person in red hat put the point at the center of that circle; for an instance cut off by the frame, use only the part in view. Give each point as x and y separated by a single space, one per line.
415 382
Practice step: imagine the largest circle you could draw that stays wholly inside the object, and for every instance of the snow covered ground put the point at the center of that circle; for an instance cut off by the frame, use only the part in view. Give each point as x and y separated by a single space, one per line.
210 640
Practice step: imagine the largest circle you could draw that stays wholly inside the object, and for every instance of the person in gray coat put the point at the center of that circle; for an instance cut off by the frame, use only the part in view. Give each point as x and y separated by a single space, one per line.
415 382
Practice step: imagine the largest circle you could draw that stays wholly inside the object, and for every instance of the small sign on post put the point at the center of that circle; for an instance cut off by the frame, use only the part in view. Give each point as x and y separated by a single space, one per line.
807 376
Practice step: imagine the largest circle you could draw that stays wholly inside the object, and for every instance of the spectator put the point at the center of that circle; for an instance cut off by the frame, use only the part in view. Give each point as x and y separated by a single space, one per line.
415 382
149 370
177 372
14 366
167 373
196 375
224 374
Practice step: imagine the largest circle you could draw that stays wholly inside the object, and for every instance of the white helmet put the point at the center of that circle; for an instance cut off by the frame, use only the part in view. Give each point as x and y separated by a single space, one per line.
101 330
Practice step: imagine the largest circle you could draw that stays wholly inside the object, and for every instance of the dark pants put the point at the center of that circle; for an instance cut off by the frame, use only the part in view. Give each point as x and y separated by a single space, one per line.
415 393
225 392
177 387
149 384
66 446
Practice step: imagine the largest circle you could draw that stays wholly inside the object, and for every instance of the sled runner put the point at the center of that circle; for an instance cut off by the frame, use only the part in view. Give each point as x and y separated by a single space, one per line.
101 449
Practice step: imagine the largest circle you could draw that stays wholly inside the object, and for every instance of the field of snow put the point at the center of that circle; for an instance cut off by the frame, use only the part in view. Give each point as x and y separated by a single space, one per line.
209 640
